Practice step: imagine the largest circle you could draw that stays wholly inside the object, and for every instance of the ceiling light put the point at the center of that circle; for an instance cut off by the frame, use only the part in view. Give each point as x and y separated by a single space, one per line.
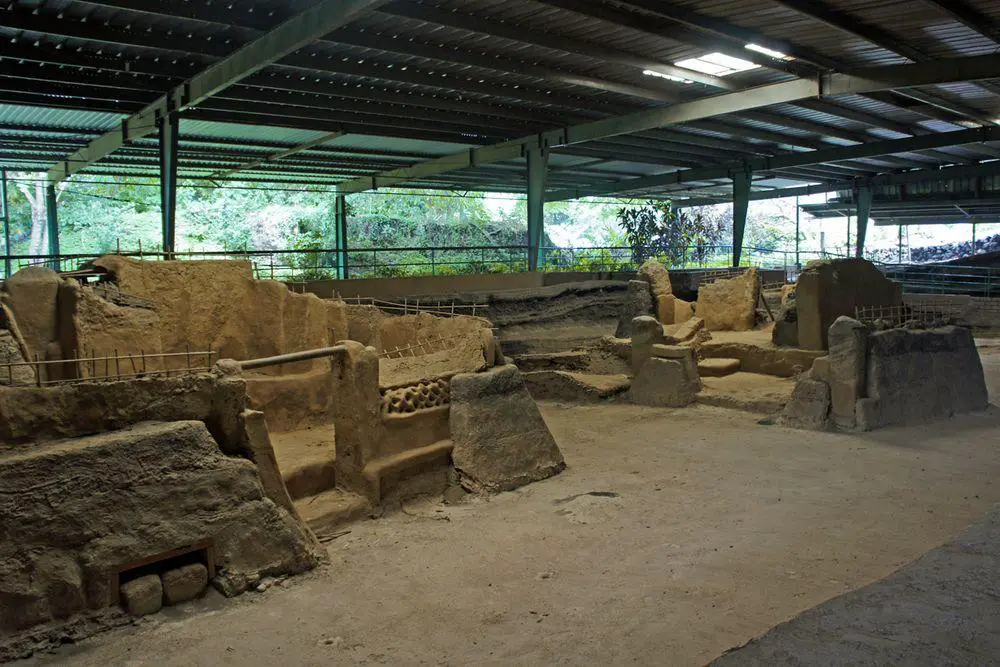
717 64
778 55
669 77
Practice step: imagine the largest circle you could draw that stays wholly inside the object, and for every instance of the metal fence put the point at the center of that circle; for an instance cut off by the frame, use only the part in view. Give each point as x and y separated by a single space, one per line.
981 281
324 263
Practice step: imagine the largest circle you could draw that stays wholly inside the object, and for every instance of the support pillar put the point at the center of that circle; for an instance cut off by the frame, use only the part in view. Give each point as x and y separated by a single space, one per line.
798 212
168 129
538 165
863 200
5 215
340 234
973 238
741 204
52 224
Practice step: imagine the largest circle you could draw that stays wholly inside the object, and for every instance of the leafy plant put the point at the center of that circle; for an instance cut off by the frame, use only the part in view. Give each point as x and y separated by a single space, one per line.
658 230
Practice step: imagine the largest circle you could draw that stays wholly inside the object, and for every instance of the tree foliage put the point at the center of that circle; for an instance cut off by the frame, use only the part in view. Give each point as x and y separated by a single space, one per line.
658 230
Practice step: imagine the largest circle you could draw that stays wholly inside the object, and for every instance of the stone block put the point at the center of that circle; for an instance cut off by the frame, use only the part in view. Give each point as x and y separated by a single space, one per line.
848 340
638 302
664 383
820 369
730 305
785 333
500 440
31 294
687 330
184 583
672 352
809 406
919 376
718 367
646 332
655 273
831 288
666 308
142 596
11 353
683 310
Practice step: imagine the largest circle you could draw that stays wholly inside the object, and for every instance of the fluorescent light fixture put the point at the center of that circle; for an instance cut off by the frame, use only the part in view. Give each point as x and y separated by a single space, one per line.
717 64
768 52
669 77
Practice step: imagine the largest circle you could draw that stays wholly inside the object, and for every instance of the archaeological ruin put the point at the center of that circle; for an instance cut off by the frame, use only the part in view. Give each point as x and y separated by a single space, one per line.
464 332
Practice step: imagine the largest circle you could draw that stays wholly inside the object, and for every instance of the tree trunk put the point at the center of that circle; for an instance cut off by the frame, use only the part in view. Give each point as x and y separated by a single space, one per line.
36 242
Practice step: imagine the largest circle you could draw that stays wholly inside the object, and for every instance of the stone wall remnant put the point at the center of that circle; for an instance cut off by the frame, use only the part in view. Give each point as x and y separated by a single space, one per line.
916 376
899 376
830 289
67 528
730 304
661 291
500 440
638 302
646 332
30 295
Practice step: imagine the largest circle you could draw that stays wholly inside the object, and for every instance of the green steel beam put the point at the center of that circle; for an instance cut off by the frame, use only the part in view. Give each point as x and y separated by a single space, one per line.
824 85
863 194
788 161
285 39
741 205
52 223
538 161
169 143
5 214
340 235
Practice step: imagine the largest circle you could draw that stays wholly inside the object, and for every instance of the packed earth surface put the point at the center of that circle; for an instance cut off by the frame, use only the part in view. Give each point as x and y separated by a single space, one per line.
673 536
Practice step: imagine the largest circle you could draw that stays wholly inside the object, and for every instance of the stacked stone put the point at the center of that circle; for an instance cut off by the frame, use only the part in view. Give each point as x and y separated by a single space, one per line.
147 594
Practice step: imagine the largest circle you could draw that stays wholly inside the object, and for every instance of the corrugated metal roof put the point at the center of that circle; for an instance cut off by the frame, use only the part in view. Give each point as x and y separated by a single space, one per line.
422 79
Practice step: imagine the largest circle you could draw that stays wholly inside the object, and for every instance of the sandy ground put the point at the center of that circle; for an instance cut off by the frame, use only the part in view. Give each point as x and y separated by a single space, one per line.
673 536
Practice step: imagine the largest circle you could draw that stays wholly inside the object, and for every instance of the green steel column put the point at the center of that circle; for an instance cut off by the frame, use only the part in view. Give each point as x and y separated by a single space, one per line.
5 214
52 224
340 234
863 199
538 164
168 130
741 204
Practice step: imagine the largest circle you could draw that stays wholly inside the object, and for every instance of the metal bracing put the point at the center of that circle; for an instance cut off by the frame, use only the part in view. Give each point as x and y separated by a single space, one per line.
291 35
863 194
789 160
280 155
52 222
865 80
741 205
340 235
537 165
169 145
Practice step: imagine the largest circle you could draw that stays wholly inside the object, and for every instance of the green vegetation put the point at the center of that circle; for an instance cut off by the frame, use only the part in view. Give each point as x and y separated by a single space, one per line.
389 234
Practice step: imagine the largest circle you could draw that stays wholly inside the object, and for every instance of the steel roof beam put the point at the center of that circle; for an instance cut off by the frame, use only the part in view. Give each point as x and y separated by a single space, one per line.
524 34
876 78
291 35
969 17
792 160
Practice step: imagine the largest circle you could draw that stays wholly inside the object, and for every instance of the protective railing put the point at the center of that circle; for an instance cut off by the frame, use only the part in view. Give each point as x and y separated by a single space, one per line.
982 281
303 265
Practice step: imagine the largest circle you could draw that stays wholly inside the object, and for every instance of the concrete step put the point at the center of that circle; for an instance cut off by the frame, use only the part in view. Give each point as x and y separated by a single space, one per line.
720 367
386 475
305 459
325 511
749 392
572 360
577 387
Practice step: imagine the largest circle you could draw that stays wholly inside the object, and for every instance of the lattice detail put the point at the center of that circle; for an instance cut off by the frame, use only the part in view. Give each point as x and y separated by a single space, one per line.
895 317
423 396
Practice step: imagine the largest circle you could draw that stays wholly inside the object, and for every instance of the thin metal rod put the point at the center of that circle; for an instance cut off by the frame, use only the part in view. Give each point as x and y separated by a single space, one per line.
304 355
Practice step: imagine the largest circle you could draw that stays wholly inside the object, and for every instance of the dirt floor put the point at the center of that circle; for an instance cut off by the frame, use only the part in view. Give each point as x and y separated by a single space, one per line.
673 536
